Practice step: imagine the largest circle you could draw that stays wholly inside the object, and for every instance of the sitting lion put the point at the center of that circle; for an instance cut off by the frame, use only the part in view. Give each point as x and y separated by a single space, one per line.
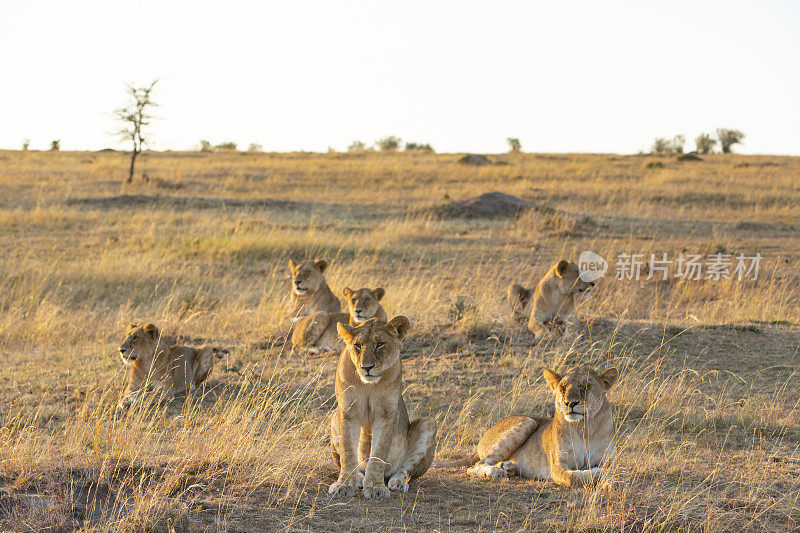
567 449
154 363
372 440
310 291
316 333
553 301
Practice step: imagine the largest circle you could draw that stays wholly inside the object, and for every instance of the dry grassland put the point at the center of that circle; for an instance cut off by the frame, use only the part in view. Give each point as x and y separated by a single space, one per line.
707 407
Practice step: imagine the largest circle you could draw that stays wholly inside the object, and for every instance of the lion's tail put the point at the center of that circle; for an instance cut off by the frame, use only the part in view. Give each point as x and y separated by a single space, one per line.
471 460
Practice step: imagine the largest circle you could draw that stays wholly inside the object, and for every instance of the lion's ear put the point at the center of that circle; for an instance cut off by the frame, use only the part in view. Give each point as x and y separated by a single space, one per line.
608 377
321 264
519 295
345 332
401 325
151 330
561 268
292 266
347 292
379 292
552 378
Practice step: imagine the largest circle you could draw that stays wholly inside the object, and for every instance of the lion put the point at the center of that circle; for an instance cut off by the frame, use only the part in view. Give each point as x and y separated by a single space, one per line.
310 291
316 333
372 441
553 301
154 362
568 449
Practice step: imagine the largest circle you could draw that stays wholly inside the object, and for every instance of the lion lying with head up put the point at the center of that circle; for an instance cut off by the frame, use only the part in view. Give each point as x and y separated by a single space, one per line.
154 362
374 444
316 333
553 301
567 449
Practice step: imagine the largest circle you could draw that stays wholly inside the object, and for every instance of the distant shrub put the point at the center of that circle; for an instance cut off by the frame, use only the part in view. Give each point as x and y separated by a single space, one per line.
668 146
357 146
704 143
26 143
661 146
654 164
255 147
389 144
460 307
691 156
419 147
55 145
727 138
514 145
677 143
205 146
226 146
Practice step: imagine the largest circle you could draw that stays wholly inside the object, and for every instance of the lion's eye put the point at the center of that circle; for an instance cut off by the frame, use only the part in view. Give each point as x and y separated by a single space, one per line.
380 345
357 347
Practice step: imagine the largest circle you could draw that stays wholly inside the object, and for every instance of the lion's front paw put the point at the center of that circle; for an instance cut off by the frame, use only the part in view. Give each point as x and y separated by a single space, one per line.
398 483
377 491
489 471
509 468
343 490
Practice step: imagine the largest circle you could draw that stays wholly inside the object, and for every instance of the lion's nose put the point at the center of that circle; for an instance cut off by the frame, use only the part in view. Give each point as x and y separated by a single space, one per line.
367 368
571 404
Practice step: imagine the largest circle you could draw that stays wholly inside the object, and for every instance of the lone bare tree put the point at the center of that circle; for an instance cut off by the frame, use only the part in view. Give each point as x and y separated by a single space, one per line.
135 117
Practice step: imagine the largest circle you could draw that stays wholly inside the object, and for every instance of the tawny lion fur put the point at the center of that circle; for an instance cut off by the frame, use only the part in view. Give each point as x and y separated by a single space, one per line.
310 292
373 442
154 363
552 303
316 333
569 448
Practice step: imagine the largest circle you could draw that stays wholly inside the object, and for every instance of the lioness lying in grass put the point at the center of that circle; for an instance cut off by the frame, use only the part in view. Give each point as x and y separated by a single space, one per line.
569 448
155 363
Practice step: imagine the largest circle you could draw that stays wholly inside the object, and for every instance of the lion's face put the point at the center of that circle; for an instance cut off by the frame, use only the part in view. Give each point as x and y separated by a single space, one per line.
569 277
374 346
363 303
581 391
139 342
307 276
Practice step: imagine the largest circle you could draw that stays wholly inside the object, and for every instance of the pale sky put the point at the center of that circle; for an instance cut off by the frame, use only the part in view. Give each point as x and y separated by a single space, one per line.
577 76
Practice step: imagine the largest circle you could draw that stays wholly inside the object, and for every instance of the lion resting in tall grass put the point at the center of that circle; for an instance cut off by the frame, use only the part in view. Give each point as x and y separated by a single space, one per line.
316 333
568 448
552 302
373 443
155 363
310 291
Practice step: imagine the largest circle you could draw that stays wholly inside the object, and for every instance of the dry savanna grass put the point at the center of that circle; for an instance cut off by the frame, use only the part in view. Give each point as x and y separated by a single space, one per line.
707 407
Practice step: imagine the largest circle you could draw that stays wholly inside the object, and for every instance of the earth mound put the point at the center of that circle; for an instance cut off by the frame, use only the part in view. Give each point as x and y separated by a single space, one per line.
488 205
475 160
